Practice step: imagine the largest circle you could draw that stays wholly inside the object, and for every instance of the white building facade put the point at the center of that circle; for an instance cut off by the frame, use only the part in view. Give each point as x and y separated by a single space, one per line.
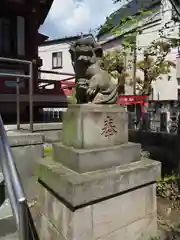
160 23
56 57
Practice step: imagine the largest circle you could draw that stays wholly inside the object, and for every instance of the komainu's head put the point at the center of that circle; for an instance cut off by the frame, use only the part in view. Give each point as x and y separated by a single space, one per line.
86 51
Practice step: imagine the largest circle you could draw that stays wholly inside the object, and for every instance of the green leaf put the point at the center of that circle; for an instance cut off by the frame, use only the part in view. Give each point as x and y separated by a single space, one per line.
116 31
145 12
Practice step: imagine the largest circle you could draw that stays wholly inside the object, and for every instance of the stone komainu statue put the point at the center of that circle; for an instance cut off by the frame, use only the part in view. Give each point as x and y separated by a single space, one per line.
93 84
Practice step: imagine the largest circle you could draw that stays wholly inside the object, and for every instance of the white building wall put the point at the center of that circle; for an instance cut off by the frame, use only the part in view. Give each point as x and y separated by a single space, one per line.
165 88
45 52
112 45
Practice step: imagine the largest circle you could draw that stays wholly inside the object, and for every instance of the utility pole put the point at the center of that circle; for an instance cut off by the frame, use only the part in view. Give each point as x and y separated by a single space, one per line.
134 69
134 56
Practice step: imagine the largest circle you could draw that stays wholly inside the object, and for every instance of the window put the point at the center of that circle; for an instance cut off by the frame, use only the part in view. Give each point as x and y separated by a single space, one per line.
57 60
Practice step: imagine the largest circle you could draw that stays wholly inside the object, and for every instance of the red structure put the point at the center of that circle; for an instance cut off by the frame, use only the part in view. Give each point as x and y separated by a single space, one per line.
132 99
19 40
68 85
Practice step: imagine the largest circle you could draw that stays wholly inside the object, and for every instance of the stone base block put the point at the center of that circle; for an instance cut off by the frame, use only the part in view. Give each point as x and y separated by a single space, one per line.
94 126
80 189
114 219
84 160
113 204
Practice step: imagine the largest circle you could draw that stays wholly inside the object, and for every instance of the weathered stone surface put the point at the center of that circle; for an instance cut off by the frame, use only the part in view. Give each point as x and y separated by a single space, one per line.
52 136
24 139
142 229
72 225
78 188
26 159
96 187
46 230
27 149
118 212
112 219
86 160
89 126
37 127
93 84
10 237
43 132
7 221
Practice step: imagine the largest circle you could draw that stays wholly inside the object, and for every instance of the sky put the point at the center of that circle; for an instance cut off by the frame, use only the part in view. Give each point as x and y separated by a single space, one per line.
73 17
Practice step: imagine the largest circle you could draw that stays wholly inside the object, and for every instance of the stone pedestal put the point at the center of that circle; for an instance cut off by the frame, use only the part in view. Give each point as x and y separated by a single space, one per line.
91 126
96 187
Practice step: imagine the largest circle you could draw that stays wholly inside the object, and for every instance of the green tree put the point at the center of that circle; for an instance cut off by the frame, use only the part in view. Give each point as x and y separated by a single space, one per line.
154 65
114 63
125 21
128 39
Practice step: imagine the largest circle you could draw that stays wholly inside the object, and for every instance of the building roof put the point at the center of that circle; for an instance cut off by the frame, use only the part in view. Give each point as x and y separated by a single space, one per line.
41 6
42 38
45 6
66 39
131 9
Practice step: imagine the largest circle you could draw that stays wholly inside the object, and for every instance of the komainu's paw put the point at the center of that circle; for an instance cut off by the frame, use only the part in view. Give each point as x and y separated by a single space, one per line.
98 98
91 91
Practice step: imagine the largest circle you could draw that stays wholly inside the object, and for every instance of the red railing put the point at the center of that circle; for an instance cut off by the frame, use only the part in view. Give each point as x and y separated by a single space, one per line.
41 86
8 86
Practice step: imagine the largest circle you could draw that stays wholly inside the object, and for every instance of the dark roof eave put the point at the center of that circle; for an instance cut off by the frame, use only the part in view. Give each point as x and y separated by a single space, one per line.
65 39
42 38
45 10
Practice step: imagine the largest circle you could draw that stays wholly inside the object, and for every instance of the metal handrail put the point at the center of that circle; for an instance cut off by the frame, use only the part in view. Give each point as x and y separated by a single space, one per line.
14 60
18 77
18 200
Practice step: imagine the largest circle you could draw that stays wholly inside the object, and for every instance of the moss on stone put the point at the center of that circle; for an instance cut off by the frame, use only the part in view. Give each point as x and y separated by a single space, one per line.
47 151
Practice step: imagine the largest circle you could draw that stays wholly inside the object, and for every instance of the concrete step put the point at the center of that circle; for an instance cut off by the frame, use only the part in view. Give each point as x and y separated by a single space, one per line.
10 237
7 221
2 189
